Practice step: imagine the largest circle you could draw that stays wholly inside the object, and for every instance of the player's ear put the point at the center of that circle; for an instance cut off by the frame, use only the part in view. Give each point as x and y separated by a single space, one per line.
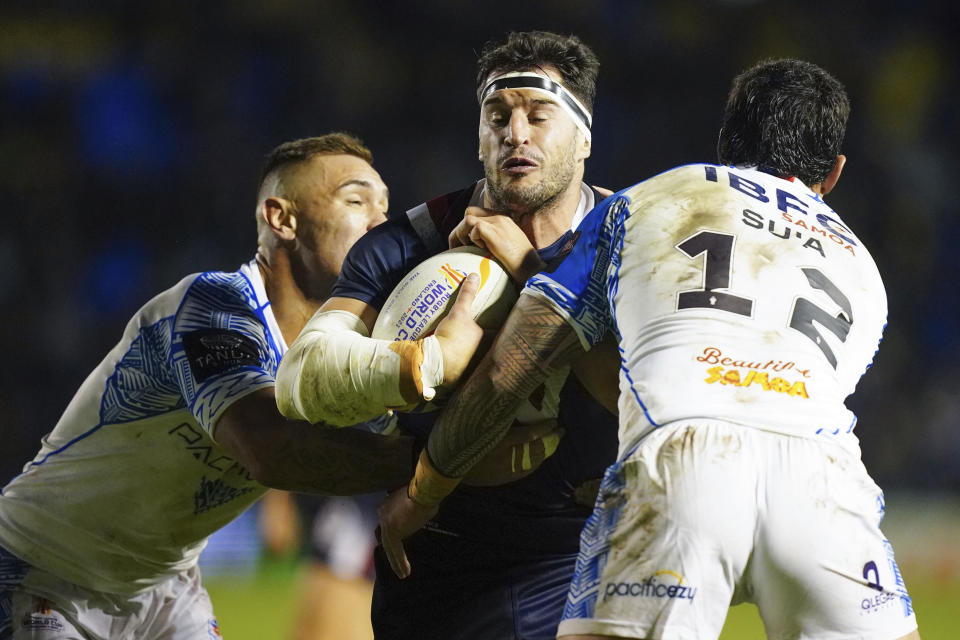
583 146
831 180
280 215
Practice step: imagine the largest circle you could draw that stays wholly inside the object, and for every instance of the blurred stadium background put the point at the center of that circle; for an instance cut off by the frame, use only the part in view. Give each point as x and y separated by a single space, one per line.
132 135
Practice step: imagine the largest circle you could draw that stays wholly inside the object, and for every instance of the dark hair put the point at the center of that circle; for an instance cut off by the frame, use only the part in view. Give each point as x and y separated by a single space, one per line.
787 117
301 150
576 62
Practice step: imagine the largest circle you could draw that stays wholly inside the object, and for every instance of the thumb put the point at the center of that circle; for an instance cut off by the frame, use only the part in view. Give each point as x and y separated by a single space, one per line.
466 293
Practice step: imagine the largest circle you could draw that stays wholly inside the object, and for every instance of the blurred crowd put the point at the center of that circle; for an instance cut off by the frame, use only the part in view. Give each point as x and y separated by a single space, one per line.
131 136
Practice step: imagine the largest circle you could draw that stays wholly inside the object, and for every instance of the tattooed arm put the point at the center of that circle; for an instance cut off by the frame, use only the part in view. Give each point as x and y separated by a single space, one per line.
534 342
298 456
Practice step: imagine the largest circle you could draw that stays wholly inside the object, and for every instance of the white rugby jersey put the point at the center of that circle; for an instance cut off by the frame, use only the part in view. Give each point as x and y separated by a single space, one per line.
735 295
126 489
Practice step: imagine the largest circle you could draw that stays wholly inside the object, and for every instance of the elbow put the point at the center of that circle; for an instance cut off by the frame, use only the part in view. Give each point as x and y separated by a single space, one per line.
254 453
261 471
271 480
261 467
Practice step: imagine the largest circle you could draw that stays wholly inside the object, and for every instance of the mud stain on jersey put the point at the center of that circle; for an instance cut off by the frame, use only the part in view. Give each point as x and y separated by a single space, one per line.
759 259
729 447
640 531
681 445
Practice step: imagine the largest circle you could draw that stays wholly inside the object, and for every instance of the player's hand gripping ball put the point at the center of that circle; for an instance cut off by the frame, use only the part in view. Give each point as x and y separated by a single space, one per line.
423 297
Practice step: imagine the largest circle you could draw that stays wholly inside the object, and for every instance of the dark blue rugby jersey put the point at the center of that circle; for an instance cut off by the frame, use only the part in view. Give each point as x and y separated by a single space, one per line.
538 512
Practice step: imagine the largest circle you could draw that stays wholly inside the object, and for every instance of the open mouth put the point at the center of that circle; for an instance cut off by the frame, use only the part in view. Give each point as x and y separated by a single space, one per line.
518 165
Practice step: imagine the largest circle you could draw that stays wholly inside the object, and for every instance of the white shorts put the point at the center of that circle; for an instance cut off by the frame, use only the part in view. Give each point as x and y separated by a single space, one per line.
705 514
35 605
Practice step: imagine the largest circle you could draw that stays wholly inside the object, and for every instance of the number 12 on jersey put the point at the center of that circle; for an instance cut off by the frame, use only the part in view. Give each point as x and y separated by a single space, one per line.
718 270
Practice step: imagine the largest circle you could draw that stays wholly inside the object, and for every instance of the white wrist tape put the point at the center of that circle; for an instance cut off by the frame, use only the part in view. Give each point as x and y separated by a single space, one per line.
431 370
334 373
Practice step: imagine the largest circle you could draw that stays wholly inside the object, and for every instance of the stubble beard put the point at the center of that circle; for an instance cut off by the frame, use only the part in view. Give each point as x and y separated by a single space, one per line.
523 196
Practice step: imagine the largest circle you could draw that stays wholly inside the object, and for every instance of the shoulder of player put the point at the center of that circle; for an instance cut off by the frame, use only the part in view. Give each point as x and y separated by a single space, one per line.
218 292
686 173
434 219
395 231
420 232
386 247
225 286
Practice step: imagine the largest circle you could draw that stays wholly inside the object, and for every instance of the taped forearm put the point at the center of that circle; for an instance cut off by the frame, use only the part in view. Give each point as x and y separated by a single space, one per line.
334 373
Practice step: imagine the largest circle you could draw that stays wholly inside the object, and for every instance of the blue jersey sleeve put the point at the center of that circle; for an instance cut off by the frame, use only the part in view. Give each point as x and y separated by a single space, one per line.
377 262
221 347
577 287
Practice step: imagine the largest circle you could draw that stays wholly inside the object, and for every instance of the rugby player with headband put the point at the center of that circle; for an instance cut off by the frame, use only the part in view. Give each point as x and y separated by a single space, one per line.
495 562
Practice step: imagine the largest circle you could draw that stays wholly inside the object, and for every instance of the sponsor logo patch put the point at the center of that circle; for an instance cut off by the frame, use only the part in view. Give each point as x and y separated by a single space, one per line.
662 584
756 373
885 598
214 351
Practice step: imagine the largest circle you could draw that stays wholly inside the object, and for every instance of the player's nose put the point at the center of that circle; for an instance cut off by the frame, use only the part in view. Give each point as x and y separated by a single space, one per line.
518 129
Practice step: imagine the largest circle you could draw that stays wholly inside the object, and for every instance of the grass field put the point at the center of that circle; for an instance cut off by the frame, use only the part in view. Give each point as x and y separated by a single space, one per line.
925 533
262 608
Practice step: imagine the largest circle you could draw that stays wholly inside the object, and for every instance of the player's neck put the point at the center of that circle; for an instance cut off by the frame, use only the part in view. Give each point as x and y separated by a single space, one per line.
547 224
292 304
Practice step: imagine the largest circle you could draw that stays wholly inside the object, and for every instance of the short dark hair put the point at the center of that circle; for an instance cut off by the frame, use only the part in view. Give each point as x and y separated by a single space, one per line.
787 117
576 62
295 151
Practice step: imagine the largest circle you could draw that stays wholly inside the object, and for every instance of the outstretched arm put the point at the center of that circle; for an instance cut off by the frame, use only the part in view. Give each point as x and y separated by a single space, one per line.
534 342
336 374
298 456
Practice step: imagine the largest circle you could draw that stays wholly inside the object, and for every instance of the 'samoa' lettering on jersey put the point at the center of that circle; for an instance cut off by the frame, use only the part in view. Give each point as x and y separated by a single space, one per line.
214 351
738 378
786 202
785 232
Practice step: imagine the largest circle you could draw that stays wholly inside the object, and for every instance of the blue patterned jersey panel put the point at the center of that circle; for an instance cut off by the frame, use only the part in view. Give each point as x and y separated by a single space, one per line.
142 384
221 345
579 284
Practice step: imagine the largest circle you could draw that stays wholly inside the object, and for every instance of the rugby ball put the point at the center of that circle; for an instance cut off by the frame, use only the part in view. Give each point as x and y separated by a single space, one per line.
423 296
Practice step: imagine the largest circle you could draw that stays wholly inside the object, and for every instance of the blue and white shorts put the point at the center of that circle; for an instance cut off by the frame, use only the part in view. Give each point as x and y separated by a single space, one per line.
705 514
35 605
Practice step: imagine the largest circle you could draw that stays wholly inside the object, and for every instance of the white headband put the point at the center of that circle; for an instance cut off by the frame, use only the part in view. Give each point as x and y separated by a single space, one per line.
540 82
